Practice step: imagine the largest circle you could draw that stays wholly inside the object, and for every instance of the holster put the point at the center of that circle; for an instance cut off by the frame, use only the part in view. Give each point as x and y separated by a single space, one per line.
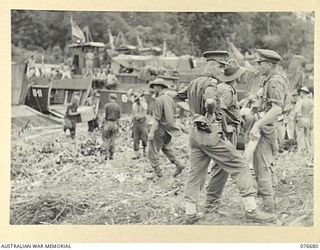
203 127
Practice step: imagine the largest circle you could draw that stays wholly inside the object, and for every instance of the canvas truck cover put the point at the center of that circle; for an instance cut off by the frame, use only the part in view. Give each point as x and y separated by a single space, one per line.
132 62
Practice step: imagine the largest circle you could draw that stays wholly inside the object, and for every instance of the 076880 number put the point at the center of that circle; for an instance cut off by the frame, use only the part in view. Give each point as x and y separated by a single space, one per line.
308 245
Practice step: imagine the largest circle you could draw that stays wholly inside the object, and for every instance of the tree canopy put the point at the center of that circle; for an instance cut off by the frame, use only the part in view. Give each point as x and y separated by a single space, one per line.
185 32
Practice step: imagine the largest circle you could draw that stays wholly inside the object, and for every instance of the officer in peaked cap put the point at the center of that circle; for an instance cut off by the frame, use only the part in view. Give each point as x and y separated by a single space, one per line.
268 56
219 56
274 102
216 61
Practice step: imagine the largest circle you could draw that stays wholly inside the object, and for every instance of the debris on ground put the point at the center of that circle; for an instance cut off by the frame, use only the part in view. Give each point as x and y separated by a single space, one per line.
57 180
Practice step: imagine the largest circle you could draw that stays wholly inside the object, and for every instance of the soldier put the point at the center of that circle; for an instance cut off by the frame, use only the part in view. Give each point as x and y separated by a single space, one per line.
70 116
140 128
206 142
101 78
31 68
89 57
229 102
229 107
273 101
112 81
304 120
65 70
163 128
93 101
111 125
291 117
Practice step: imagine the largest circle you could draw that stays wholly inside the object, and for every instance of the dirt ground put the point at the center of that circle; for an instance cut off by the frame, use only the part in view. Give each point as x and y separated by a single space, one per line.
56 180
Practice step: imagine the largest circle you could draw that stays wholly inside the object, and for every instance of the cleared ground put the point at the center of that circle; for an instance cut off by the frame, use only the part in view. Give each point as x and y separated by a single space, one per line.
59 181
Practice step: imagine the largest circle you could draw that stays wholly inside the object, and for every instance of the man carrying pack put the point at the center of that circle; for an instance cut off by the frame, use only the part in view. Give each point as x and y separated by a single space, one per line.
206 142
272 101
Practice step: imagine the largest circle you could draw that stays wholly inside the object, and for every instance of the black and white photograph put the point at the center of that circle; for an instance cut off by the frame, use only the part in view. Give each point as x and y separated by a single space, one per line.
162 118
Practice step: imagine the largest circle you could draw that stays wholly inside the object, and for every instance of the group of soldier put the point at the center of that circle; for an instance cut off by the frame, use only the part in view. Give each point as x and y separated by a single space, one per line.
61 72
216 122
103 77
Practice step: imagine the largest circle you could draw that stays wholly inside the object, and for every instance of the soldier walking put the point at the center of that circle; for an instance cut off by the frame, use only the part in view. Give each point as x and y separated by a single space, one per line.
140 127
111 125
163 128
206 142
70 116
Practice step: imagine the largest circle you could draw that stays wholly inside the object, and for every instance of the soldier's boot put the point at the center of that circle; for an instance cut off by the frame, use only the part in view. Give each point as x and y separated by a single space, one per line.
144 151
191 214
191 219
110 155
253 214
268 204
158 171
212 206
136 155
107 155
179 168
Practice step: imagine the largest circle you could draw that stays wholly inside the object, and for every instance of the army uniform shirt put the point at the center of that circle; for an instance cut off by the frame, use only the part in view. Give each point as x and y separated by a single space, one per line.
163 112
275 90
198 91
229 103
